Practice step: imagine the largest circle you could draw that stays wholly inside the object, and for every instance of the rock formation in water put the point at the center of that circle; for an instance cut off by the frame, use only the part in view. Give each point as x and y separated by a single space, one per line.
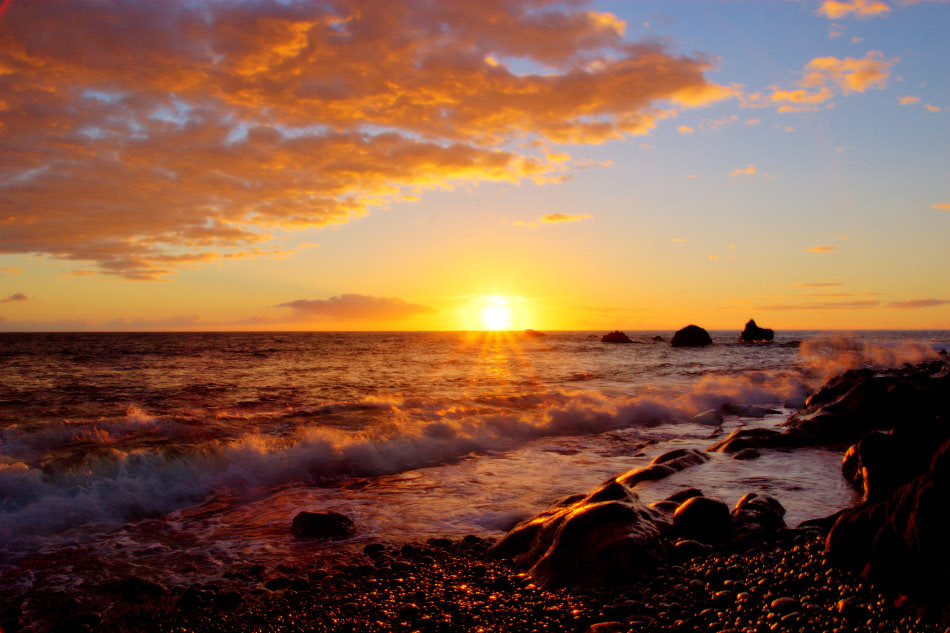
755 334
615 337
691 336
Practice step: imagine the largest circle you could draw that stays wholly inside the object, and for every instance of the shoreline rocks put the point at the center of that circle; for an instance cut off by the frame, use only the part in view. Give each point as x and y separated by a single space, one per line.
691 336
322 525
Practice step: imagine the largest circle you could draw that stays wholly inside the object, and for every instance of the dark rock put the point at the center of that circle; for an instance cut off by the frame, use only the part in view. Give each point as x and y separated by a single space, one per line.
747 453
374 548
534 333
654 472
194 596
863 400
901 540
688 548
682 495
279 583
691 336
741 439
588 543
757 514
658 339
681 458
615 337
747 411
135 588
325 525
755 334
702 519
708 418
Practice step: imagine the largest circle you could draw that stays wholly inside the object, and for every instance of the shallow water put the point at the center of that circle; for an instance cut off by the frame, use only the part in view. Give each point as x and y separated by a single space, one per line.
174 452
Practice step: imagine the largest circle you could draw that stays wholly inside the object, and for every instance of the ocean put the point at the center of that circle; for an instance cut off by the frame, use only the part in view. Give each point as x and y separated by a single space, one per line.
177 456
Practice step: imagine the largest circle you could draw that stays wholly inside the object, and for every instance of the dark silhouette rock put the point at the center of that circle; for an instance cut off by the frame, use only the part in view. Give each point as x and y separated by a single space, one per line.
534 333
603 539
615 337
757 513
747 454
755 334
325 525
708 418
702 519
691 336
658 339
742 439
901 541
863 400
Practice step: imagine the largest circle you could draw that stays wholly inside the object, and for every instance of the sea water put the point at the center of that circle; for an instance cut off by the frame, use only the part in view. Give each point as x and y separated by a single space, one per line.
181 455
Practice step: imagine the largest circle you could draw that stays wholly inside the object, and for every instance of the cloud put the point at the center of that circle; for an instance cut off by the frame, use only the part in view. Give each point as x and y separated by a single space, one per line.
747 171
835 9
564 217
142 138
820 249
12 271
918 303
354 307
909 100
825 305
679 240
685 129
819 284
753 121
821 75
15 298
941 206
932 108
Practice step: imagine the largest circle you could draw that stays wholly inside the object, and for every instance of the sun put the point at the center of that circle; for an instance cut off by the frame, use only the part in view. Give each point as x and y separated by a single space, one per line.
496 315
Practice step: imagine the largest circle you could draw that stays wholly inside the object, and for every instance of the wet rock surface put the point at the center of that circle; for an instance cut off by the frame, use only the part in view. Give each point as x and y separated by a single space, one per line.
322 525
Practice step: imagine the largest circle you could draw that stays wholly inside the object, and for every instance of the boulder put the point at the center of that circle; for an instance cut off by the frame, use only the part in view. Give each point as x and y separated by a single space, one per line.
615 337
859 401
741 439
708 418
663 466
691 336
702 519
604 539
755 334
900 541
324 525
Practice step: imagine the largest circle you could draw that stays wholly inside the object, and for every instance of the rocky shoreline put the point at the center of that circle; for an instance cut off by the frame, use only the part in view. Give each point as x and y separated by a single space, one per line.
604 562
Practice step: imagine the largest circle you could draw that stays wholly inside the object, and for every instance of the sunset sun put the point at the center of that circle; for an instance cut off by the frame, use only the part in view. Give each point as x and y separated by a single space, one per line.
496 317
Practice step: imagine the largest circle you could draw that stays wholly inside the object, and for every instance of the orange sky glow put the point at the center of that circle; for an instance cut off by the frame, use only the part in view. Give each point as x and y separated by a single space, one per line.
460 165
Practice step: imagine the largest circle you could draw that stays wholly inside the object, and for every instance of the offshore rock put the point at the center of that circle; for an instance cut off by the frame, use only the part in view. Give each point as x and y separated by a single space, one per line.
691 336
605 538
325 525
755 334
615 337
901 540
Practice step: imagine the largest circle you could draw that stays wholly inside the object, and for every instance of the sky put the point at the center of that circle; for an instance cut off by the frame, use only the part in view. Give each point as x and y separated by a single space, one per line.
458 165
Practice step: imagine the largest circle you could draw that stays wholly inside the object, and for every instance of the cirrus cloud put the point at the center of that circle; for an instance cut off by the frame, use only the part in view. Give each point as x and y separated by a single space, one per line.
16 297
918 303
820 249
144 137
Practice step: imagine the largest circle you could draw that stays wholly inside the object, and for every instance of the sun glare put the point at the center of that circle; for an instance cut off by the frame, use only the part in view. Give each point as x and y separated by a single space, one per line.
496 317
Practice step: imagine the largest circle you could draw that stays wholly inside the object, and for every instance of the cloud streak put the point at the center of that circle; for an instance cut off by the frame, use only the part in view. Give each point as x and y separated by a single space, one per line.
355 307
835 9
17 297
143 138
820 249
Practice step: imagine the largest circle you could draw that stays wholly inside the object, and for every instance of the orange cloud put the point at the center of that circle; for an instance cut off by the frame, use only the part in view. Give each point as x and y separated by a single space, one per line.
909 100
941 206
814 90
12 271
932 108
685 129
748 171
143 137
564 217
825 305
819 284
835 9
820 249
355 307
851 75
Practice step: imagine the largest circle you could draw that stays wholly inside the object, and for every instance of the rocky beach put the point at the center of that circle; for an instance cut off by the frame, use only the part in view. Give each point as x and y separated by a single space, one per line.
604 561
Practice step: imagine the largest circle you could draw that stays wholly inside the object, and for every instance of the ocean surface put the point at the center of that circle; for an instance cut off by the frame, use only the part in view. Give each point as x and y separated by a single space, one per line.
181 455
